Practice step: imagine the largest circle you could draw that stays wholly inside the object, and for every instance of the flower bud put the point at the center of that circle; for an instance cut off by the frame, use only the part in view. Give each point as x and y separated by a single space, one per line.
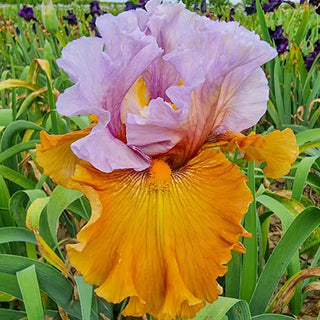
49 17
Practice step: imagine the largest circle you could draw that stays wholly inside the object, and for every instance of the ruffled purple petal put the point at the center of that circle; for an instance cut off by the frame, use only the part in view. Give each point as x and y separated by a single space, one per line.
214 68
107 153
75 102
102 79
164 24
129 52
159 132
242 100
84 61
196 77
219 64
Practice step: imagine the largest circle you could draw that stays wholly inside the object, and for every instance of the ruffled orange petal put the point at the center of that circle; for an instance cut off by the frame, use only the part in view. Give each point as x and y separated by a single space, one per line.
279 152
161 238
278 149
55 156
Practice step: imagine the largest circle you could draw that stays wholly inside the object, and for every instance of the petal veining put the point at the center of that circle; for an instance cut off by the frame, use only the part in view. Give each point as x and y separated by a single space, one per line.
142 223
224 86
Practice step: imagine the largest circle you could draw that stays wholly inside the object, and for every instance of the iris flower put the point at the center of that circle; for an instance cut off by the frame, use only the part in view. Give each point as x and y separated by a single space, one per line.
169 89
279 39
27 14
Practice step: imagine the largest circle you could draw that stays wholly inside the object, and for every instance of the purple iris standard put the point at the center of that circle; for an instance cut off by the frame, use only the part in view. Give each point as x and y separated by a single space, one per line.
71 18
166 55
279 39
27 14
311 57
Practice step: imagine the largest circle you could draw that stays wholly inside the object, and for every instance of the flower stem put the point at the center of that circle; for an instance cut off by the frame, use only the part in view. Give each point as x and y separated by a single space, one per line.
250 259
52 104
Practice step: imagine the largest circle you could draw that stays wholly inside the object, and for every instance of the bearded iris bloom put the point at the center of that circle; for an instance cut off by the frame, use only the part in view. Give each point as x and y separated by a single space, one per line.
169 89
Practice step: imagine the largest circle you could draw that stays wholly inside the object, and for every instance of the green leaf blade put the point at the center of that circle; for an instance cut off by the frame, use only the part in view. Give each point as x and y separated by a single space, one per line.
29 286
297 233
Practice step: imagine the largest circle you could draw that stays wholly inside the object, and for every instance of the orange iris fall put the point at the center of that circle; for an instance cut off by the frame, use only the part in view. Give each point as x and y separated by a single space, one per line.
163 237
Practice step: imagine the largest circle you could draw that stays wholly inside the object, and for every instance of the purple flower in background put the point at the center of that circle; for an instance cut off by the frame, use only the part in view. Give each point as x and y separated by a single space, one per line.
95 9
203 6
314 2
250 10
291 3
130 6
71 18
93 27
311 57
27 14
92 23
232 12
271 5
279 39
133 6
